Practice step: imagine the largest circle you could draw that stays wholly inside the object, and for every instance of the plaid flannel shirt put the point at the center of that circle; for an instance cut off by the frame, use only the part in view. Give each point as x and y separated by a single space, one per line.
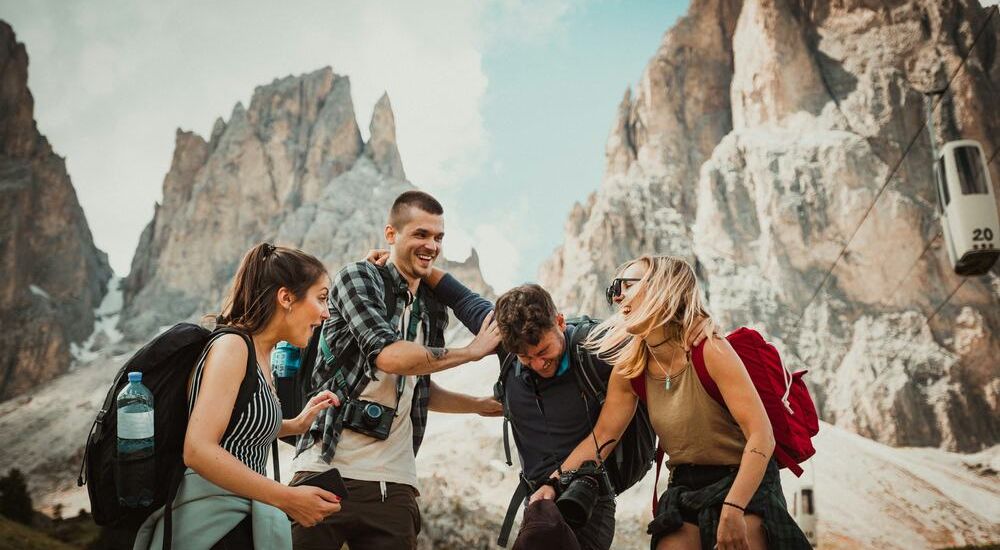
356 332
768 502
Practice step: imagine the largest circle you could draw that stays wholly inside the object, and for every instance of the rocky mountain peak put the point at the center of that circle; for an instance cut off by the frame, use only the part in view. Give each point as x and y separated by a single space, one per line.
18 134
52 274
758 135
381 146
763 90
290 169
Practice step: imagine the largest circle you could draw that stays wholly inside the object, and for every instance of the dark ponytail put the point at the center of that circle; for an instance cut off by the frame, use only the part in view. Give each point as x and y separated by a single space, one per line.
266 268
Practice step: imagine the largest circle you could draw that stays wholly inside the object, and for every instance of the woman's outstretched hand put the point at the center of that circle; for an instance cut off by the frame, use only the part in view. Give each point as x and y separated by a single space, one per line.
323 400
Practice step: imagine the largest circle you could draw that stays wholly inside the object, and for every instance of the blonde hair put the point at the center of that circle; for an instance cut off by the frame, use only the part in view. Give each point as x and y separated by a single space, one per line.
667 296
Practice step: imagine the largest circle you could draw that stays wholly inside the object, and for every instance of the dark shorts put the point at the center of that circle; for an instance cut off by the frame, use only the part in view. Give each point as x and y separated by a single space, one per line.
364 520
697 477
695 495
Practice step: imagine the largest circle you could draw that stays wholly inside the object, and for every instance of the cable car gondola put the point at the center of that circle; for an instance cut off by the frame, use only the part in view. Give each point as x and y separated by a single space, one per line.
968 207
804 511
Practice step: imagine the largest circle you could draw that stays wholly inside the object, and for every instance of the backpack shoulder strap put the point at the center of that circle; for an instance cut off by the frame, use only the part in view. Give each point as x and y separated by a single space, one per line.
638 384
500 392
516 499
249 384
698 361
389 285
591 381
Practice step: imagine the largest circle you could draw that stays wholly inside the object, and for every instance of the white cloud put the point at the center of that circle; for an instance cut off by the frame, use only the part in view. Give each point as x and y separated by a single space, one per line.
499 257
112 81
528 21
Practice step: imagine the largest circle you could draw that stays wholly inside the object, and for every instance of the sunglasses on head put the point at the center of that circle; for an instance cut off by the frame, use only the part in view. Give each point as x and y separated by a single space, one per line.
615 290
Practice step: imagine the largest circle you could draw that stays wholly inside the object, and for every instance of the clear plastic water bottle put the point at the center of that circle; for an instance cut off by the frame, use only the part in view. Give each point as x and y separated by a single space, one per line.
285 360
136 464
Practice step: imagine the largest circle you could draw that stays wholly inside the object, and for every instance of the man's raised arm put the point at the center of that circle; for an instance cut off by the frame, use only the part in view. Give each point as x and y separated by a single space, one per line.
470 308
357 293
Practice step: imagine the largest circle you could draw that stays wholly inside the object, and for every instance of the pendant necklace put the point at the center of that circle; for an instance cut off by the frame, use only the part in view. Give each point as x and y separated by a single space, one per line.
666 383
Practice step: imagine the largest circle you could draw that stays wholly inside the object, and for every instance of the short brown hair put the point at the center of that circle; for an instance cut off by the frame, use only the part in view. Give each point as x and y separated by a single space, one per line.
524 314
399 214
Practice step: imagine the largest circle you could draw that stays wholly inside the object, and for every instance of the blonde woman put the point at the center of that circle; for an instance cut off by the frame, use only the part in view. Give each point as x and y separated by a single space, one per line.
724 490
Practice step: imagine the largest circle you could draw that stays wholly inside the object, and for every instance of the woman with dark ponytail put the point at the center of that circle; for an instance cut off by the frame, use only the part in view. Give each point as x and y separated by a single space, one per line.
277 294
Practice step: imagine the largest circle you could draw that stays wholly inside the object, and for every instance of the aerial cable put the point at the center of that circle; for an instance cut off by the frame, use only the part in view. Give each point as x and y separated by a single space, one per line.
946 300
909 270
892 172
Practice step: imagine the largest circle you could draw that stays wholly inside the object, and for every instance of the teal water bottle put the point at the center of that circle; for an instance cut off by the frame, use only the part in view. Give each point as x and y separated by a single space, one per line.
285 360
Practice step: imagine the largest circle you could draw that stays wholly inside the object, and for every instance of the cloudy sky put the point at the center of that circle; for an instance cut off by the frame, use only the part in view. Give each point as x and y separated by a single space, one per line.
502 106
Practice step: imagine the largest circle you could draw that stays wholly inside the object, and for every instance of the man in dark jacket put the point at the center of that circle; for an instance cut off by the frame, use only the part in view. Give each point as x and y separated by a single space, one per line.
546 408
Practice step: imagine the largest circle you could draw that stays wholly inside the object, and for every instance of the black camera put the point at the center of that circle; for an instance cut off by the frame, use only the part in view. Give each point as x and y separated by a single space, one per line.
369 418
580 490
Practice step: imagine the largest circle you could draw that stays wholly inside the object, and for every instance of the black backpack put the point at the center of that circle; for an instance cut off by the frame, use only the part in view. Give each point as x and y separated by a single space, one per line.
295 391
166 363
632 457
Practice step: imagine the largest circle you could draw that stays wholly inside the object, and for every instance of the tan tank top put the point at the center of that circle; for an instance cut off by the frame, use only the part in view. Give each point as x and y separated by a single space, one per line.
693 428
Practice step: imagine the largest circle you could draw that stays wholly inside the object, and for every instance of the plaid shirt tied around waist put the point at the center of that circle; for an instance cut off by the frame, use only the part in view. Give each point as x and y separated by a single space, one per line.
356 332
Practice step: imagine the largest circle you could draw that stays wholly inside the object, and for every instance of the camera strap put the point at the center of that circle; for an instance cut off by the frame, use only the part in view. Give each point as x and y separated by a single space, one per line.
593 426
577 353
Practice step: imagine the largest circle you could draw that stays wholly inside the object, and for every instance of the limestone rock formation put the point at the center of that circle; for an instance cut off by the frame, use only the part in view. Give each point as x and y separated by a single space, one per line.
51 274
381 146
760 133
291 169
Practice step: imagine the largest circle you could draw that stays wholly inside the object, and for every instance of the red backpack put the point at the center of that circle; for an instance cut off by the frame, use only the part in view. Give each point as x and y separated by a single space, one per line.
784 395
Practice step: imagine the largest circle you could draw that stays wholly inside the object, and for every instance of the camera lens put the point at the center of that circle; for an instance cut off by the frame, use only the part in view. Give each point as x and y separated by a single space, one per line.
578 500
372 413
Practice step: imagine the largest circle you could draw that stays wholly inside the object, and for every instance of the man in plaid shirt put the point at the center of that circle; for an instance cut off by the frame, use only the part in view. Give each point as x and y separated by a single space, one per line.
373 357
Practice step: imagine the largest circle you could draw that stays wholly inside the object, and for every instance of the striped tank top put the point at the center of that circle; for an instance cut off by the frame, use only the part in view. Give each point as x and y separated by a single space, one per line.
257 425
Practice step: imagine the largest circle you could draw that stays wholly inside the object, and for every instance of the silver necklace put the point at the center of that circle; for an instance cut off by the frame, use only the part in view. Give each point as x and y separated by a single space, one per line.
666 383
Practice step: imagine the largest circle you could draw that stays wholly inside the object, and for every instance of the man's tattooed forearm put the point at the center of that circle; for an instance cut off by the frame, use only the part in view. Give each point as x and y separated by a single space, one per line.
759 452
437 353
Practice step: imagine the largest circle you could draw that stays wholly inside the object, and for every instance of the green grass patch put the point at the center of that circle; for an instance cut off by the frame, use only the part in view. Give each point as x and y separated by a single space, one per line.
15 536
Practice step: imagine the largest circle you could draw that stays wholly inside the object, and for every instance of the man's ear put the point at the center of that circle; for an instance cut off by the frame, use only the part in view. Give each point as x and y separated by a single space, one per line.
561 321
390 234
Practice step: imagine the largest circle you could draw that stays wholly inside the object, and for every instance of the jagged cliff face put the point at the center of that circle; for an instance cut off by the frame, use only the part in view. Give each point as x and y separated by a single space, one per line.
51 274
291 169
660 138
760 133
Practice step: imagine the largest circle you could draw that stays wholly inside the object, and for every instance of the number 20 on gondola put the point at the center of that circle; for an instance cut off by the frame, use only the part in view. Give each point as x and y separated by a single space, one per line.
968 207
